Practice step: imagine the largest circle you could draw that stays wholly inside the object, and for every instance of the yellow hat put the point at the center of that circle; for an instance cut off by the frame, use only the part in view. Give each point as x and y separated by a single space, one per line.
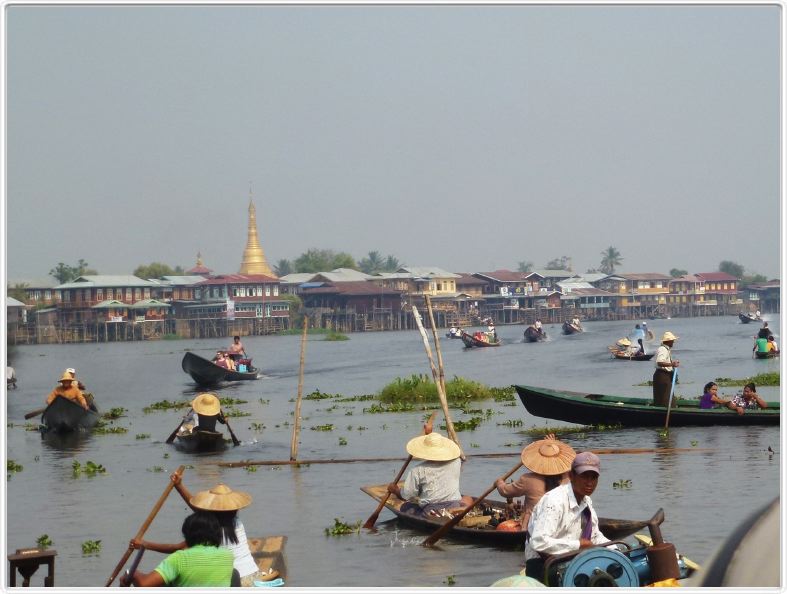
624 342
66 376
220 498
668 336
548 457
206 404
433 447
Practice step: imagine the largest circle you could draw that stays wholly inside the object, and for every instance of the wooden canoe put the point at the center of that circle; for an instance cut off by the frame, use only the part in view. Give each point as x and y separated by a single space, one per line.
767 355
600 409
207 373
200 440
746 318
471 341
65 416
620 354
481 532
533 335
571 328
268 553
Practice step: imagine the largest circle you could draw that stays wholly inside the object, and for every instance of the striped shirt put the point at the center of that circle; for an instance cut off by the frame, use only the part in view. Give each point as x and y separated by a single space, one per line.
196 566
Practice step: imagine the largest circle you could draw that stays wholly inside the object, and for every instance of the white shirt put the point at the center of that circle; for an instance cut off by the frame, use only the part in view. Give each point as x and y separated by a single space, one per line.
664 355
244 562
432 482
556 523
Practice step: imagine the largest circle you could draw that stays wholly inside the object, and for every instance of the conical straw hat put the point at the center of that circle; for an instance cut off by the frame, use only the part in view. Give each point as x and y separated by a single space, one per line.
206 404
548 457
433 447
220 498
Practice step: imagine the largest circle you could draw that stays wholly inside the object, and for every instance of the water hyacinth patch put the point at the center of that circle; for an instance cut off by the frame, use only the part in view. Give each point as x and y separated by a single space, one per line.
90 468
339 528
44 542
12 466
91 547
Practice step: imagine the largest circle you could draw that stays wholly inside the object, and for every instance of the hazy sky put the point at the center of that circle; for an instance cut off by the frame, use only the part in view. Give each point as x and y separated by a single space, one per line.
465 137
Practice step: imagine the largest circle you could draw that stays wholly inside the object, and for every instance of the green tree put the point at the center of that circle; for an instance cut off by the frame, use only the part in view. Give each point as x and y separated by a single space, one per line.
65 273
561 263
314 260
732 268
282 268
525 266
154 270
676 272
610 258
18 292
372 263
391 264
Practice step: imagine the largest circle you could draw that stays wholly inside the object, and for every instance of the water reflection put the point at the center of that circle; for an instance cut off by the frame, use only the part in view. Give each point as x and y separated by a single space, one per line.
64 445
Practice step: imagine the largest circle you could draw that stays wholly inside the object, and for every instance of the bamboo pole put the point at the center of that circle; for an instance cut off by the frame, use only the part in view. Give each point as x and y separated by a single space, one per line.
600 452
440 391
297 425
440 369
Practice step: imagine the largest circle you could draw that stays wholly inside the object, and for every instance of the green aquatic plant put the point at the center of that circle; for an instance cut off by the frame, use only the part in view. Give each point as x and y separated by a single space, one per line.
12 466
156 469
326 427
540 432
44 542
694 443
339 528
421 389
142 436
90 468
622 484
511 423
317 395
256 426
250 468
114 413
392 407
450 580
336 336
90 547
772 378
103 428
468 425
342 441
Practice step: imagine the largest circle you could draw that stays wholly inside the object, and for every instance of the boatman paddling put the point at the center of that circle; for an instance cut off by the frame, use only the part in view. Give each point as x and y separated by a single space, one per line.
665 368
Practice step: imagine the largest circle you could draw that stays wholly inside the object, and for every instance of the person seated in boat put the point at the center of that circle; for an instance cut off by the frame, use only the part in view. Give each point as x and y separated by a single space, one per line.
433 485
88 396
710 398
201 562
772 346
576 323
761 344
223 503
764 331
625 347
757 315
222 360
548 461
207 408
748 399
236 350
67 389
481 336
537 326
564 520
454 331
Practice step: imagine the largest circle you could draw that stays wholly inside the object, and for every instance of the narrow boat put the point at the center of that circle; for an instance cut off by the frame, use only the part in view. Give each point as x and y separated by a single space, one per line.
457 334
597 409
477 340
569 328
200 440
767 355
207 373
65 416
478 526
621 354
268 553
533 335
746 318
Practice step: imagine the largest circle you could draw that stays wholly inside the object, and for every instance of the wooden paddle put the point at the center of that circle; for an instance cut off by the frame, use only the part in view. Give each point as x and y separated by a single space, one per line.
35 413
671 392
373 518
132 570
438 534
172 435
144 527
232 433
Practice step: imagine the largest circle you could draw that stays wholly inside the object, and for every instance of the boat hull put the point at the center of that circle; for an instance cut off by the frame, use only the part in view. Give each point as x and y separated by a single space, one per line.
613 529
471 341
768 355
598 409
207 373
65 416
641 357
745 319
570 329
533 335
201 441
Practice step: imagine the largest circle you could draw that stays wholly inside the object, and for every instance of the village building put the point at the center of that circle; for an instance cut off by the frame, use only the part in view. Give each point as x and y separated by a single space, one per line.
637 295
721 288
765 297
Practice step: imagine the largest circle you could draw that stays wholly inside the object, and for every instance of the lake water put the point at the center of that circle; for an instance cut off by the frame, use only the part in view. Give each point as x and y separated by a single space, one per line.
705 493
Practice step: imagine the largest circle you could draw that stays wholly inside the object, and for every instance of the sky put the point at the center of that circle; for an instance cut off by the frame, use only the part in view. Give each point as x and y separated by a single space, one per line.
465 137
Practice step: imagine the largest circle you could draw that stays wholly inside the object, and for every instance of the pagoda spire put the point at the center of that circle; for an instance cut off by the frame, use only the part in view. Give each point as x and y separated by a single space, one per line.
254 261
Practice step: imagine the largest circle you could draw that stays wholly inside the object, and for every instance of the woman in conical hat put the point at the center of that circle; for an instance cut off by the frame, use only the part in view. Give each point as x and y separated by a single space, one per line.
548 461
433 484
224 503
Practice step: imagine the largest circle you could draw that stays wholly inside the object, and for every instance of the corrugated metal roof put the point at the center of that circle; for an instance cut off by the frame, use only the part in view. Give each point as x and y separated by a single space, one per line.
11 302
715 276
427 272
150 304
182 280
106 280
109 304
33 283
238 279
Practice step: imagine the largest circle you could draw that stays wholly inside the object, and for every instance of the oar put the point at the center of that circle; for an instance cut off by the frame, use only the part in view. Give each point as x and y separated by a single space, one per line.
172 435
438 534
373 518
132 570
671 392
144 527
35 413
232 433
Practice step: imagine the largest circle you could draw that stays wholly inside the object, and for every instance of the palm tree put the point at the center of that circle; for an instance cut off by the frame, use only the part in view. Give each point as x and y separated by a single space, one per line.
391 264
610 258
372 263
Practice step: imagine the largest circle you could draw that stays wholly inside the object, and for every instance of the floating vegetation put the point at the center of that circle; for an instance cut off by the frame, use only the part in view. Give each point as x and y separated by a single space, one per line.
12 466
326 427
43 541
114 413
694 443
234 412
503 394
348 413
474 445
336 336
166 455
142 436
622 484
256 426
362 428
178 404
663 432
342 441
761 379
91 547
391 407
542 431
156 469
317 395
450 580
263 401
421 388
250 468
299 331
339 528
360 398
90 468
103 428
511 423
468 425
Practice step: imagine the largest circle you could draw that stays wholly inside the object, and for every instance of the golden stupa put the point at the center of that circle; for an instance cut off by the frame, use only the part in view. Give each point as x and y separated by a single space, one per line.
254 261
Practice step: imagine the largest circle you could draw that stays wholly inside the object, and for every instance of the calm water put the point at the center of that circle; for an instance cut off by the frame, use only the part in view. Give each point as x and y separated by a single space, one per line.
705 494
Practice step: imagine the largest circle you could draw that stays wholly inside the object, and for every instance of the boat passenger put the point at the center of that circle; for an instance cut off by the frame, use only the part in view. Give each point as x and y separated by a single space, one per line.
67 389
199 562
772 346
639 337
564 520
537 326
665 368
576 323
88 396
748 399
626 348
761 344
710 397
492 333
433 485
764 331
548 461
236 350
207 408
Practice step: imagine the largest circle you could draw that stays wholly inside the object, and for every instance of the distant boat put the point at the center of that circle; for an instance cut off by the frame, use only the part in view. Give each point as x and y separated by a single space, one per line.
746 318
623 354
569 328
534 335
479 339
64 416
207 373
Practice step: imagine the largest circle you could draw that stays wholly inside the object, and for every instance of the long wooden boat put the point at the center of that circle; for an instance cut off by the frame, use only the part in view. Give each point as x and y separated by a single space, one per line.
533 335
746 318
475 525
471 341
207 373
65 416
597 409
268 553
569 328
767 355
200 440
621 354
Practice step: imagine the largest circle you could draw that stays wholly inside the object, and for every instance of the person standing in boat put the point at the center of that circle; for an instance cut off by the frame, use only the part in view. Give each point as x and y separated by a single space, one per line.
548 461
433 485
665 368
236 350
639 337
67 389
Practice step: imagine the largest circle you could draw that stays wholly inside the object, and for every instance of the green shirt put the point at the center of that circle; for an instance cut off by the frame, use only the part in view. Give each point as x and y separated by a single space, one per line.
199 565
762 345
